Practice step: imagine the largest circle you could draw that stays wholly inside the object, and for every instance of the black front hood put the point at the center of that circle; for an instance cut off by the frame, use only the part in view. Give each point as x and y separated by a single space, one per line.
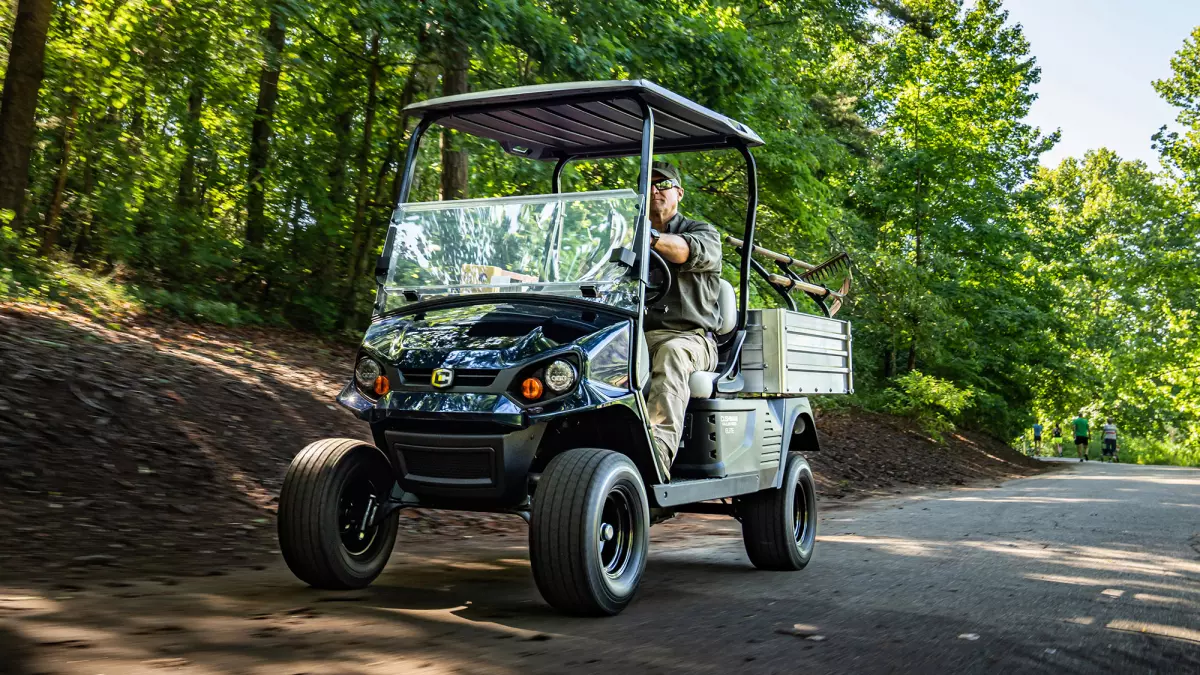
488 336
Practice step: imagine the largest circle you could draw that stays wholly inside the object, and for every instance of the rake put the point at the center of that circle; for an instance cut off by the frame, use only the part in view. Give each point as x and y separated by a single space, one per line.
810 280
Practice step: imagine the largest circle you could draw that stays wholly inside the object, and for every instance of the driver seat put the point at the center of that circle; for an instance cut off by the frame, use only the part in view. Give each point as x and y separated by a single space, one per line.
703 383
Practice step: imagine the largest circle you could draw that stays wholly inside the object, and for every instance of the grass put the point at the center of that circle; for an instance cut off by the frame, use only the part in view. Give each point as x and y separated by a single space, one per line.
103 297
111 297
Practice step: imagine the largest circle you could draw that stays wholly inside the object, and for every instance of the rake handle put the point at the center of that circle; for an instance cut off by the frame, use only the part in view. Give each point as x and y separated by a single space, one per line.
766 253
787 282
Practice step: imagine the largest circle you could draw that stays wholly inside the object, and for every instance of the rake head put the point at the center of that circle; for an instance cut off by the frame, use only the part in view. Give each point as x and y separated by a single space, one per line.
834 266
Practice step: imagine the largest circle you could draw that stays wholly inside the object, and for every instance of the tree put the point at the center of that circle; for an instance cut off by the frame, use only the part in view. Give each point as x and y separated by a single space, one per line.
1181 150
260 134
18 105
1115 242
938 243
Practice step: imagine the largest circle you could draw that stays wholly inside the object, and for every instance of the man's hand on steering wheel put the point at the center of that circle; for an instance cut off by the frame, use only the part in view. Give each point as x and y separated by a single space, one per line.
659 279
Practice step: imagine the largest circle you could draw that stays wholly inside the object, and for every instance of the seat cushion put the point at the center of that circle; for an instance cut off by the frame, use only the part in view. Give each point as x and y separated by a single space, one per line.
701 383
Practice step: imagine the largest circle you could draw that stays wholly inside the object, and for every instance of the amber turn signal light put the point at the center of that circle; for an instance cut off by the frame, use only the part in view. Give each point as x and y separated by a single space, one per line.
531 388
382 386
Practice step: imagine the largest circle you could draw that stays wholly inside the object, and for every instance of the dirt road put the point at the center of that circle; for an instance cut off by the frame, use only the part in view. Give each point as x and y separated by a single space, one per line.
1092 569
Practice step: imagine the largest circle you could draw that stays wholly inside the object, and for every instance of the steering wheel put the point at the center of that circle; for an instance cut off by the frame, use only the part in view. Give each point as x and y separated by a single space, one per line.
659 279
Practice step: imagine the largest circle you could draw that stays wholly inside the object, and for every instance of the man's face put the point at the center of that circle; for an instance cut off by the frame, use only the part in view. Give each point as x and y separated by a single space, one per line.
664 203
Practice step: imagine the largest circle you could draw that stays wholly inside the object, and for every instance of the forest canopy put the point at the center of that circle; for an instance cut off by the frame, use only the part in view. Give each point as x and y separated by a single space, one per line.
245 154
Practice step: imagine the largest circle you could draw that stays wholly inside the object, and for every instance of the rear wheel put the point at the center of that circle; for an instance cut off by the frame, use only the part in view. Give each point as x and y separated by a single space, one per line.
328 532
779 526
589 534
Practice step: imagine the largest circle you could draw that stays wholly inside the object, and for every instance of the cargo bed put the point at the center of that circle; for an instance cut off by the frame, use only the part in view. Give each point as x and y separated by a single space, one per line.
794 353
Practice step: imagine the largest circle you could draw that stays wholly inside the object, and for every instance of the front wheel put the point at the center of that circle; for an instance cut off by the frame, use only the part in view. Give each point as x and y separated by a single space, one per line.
328 532
589 534
779 526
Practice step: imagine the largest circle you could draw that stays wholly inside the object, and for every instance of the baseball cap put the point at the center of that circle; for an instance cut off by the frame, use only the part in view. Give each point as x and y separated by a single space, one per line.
666 170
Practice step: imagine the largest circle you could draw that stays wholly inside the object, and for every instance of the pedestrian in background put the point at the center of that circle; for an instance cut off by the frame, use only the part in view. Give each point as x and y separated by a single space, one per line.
1110 442
1081 436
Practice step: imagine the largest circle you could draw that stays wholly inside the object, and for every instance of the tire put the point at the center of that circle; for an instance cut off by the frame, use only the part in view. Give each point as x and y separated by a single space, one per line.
580 493
328 489
779 525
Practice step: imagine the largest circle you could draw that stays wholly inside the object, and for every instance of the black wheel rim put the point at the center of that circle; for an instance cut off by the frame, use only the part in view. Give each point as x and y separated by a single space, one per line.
618 530
803 525
357 525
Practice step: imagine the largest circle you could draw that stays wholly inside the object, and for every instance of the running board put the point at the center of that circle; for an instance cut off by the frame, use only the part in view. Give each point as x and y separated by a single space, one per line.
703 489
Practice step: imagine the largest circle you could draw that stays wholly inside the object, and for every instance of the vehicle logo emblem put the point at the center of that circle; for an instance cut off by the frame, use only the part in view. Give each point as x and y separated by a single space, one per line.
442 378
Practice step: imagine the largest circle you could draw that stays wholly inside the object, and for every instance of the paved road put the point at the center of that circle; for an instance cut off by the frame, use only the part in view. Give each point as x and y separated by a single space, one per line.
1094 568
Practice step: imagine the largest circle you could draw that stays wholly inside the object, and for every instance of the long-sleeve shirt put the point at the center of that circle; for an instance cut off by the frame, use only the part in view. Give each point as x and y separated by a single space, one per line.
692 300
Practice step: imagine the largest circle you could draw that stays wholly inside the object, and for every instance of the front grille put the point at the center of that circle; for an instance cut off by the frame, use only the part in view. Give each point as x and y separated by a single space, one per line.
467 377
442 463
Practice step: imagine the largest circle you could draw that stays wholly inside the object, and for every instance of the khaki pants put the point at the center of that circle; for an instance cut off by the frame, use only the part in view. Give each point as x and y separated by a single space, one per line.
674 356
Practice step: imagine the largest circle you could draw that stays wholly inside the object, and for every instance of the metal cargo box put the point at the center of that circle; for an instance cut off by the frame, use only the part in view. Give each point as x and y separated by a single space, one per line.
793 353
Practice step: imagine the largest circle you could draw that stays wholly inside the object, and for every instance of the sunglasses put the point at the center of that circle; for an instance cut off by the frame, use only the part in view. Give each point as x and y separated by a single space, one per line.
664 184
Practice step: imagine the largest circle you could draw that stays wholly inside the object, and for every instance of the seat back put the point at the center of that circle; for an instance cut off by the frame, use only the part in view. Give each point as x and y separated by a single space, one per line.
702 383
727 304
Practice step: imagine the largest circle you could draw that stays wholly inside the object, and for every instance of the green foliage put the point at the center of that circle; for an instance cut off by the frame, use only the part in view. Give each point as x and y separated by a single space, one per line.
1181 149
1159 451
52 282
931 401
198 309
1116 244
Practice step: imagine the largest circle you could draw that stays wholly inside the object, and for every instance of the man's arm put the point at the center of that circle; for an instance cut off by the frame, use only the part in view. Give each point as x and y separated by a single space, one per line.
673 248
697 249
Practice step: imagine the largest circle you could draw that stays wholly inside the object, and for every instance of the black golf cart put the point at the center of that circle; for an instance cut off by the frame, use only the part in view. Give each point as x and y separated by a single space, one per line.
505 369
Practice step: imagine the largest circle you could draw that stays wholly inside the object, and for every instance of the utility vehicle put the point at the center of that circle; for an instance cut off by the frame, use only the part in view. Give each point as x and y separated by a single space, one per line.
505 367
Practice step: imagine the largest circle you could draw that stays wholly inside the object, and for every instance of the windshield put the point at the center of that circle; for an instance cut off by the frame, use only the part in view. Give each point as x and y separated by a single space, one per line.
551 244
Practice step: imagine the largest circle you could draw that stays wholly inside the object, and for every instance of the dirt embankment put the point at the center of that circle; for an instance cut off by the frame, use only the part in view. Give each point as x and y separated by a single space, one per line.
155 447
864 454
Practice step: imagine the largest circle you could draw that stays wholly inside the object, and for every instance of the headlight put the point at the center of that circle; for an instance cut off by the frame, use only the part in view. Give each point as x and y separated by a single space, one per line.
560 376
366 372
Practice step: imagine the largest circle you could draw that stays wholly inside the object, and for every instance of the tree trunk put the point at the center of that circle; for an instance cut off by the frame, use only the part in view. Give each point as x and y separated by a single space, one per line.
889 361
186 197
18 104
294 227
260 133
50 229
364 157
918 236
362 233
412 85
337 169
454 158
134 157
380 213
79 243
329 214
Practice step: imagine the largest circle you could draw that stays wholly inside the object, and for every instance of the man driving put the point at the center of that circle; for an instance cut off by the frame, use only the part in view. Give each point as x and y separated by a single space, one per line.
680 326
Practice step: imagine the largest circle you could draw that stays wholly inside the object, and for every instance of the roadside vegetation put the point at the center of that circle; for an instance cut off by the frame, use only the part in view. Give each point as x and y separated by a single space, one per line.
1163 451
236 163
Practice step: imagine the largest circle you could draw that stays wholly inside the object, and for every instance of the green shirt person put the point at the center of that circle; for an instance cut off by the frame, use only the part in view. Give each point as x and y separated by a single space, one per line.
1081 436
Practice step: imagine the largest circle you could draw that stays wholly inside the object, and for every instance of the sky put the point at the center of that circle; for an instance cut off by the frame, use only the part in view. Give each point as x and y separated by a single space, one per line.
1098 59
